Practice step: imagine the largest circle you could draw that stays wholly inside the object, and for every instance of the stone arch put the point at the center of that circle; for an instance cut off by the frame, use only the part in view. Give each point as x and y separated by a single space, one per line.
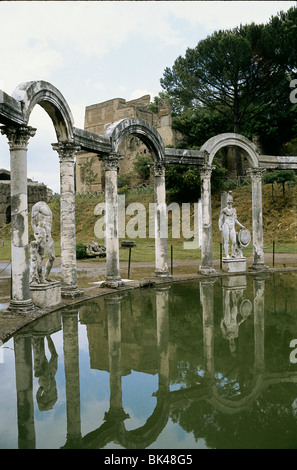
118 130
214 144
51 100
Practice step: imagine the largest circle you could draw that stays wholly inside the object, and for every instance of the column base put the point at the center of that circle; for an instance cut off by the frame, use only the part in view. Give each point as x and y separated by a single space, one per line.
113 283
258 267
209 270
46 295
162 274
21 307
71 292
234 265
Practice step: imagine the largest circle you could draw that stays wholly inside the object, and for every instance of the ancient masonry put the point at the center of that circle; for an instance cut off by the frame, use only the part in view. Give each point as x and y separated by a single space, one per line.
36 192
99 116
15 112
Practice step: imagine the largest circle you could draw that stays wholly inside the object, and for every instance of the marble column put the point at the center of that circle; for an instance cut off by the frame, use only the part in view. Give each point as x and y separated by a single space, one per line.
206 243
72 384
259 305
18 138
161 226
162 301
116 412
67 152
256 177
206 299
113 278
24 391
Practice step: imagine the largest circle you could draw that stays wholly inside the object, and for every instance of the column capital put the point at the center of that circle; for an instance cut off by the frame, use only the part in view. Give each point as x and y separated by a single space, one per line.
18 136
255 173
66 151
111 161
206 170
159 168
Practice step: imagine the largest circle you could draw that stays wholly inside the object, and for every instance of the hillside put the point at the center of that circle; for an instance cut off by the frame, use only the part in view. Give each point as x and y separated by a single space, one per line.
279 215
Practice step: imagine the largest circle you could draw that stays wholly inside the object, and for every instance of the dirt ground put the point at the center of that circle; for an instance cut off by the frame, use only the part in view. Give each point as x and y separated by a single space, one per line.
92 271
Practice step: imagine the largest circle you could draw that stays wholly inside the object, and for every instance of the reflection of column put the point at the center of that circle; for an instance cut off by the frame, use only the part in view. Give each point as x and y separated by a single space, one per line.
256 177
113 307
18 138
67 152
160 221
206 245
71 366
206 299
113 277
24 389
162 298
259 290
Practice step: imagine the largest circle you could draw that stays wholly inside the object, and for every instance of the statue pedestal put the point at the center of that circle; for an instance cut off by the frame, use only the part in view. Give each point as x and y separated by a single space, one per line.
234 265
46 295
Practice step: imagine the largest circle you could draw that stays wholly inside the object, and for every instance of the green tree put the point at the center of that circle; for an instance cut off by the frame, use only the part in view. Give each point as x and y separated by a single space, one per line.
141 165
281 177
87 174
233 73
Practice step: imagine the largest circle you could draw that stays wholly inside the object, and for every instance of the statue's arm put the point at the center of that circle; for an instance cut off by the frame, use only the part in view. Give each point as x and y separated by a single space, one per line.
237 221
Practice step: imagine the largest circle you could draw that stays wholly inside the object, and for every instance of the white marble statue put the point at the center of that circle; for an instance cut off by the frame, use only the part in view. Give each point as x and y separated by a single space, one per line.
41 221
227 221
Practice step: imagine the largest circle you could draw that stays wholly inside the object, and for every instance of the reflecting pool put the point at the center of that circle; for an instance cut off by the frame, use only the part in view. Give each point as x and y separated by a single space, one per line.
200 364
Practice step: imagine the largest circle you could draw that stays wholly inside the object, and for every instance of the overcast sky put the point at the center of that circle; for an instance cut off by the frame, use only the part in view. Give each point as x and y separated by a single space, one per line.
94 51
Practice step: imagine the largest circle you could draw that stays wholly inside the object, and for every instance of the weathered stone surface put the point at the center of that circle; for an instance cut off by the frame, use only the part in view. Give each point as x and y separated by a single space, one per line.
10 110
184 157
113 277
67 151
161 258
41 221
214 144
206 242
234 265
46 295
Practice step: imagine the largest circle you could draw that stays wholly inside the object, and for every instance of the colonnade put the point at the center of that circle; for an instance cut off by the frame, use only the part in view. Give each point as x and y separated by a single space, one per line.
18 138
14 114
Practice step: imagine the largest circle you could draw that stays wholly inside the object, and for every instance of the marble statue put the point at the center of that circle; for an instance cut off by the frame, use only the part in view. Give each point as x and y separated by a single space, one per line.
41 221
227 221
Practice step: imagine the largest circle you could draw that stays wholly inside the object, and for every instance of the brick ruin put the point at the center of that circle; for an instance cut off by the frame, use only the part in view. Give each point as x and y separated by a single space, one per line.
36 192
98 116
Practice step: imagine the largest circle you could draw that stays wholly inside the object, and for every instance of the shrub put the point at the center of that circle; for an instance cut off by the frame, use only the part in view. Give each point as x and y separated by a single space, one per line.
81 251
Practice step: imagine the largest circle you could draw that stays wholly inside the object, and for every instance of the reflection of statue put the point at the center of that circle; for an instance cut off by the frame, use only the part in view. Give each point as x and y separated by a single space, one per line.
227 221
236 310
45 370
41 221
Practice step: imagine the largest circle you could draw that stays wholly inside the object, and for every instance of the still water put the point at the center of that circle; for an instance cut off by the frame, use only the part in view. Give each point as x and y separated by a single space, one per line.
200 364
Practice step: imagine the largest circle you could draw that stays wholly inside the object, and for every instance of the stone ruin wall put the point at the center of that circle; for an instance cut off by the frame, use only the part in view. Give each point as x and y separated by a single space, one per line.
36 192
98 116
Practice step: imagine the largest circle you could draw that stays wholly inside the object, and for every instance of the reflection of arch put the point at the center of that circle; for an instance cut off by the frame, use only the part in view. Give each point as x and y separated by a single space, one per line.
214 144
118 130
139 438
51 100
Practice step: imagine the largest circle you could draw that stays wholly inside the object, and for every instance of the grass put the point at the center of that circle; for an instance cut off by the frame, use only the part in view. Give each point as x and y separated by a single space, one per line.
279 221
